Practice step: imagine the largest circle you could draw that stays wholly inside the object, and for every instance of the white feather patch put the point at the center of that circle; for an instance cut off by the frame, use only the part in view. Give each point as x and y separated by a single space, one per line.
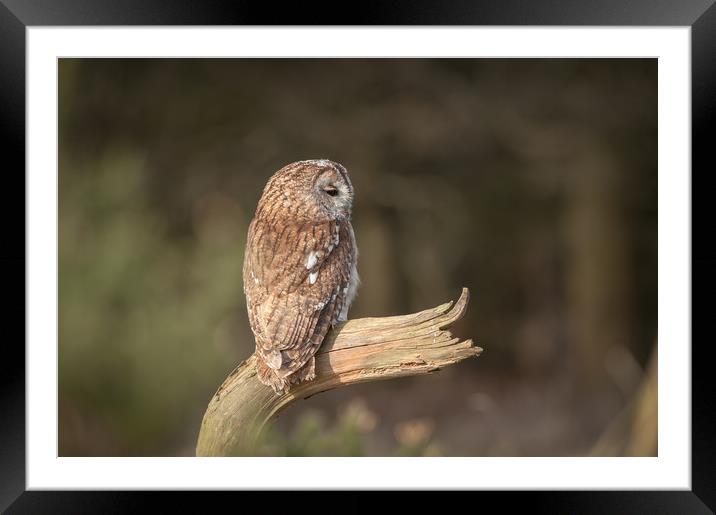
312 277
274 359
312 259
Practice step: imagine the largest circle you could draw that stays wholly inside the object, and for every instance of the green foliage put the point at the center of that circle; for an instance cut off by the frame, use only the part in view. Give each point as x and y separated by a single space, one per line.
138 310
349 435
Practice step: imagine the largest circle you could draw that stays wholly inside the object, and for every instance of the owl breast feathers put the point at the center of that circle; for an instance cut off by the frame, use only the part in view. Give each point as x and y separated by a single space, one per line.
300 272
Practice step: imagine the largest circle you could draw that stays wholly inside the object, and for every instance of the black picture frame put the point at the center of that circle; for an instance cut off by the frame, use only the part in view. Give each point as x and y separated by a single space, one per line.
17 15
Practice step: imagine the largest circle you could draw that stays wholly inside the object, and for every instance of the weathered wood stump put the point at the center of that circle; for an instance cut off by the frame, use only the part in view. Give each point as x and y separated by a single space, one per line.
356 351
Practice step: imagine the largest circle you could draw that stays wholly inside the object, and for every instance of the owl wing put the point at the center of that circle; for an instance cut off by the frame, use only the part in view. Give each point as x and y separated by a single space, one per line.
295 279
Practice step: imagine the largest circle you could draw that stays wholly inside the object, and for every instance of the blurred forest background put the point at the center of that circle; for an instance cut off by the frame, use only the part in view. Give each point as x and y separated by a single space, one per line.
531 181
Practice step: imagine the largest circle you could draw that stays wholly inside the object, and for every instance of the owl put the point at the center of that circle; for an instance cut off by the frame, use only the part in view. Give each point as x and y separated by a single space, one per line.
300 273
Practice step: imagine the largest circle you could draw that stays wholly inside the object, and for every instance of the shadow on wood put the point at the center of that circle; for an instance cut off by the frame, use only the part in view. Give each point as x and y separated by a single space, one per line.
356 351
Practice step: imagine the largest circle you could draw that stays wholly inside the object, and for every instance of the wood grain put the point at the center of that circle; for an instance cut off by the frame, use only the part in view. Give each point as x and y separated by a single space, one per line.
356 351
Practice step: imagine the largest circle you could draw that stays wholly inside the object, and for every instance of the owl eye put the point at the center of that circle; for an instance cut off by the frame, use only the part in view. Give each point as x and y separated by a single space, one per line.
331 190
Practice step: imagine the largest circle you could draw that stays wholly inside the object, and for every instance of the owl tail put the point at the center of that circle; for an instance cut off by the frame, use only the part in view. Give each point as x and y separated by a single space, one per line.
268 376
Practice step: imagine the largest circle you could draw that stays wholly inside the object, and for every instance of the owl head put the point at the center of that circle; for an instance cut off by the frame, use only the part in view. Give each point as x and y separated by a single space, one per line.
313 190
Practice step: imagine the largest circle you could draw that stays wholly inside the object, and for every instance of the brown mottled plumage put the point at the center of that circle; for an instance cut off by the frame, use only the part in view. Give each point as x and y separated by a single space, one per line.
299 267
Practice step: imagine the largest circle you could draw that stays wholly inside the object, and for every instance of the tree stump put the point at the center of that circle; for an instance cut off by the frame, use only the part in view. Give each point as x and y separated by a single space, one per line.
356 351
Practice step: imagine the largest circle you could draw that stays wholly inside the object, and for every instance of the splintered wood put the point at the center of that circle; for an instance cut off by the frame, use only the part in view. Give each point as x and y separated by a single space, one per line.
356 351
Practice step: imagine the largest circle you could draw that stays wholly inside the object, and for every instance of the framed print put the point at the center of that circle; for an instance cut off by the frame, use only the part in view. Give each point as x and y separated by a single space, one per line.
229 212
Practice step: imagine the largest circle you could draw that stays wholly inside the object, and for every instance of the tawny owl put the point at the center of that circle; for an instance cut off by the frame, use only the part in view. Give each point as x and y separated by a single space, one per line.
300 273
